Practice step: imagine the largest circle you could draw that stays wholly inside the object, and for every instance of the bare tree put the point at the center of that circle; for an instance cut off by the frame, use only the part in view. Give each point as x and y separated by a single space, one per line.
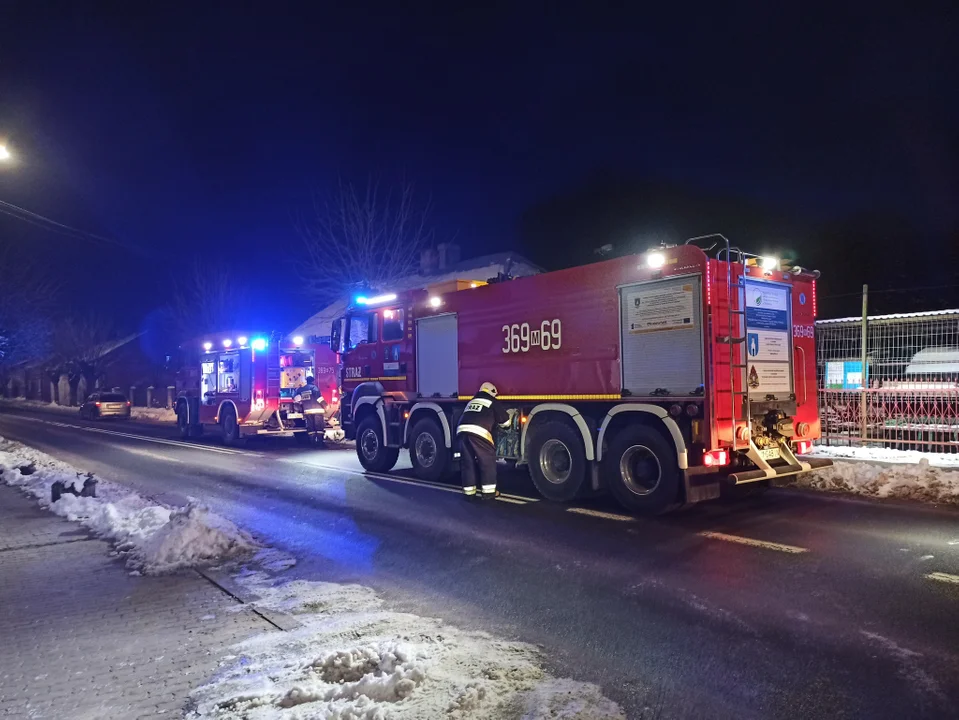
362 239
206 299
83 344
27 300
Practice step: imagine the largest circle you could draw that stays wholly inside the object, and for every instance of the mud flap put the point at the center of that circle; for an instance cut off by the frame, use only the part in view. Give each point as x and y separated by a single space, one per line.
700 486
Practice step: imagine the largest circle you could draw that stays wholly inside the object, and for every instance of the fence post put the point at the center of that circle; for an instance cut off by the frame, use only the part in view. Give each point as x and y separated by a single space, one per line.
150 397
863 415
169 397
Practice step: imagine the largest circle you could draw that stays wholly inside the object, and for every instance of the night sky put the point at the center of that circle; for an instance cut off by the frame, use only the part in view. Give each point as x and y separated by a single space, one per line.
195 127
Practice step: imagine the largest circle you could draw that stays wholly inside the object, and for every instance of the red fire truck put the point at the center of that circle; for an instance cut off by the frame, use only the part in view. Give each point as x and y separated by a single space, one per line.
657 376
243 384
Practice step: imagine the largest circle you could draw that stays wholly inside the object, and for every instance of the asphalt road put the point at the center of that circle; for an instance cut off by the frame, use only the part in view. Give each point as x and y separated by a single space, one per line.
789 605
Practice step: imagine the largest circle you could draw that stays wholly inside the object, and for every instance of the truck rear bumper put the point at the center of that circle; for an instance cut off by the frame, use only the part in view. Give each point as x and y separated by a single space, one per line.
703 483
782 471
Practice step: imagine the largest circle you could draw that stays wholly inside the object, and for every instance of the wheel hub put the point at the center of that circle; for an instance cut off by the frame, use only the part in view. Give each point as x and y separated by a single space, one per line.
640 470
425 448
370 444
555 461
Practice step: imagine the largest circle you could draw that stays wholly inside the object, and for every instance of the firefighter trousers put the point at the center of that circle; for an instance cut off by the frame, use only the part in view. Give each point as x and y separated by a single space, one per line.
477 463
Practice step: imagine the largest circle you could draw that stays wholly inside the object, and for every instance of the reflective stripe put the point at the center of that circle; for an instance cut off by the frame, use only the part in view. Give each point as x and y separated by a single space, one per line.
507 423
470 490
476 430
489 488
485 402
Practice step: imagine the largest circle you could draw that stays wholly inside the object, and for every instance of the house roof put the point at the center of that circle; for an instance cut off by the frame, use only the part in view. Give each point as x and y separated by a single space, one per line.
480 268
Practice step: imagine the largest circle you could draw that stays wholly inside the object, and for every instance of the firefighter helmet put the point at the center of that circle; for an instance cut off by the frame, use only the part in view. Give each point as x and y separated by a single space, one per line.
488 387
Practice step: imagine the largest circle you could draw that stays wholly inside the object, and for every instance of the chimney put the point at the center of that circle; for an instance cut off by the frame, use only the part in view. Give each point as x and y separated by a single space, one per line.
449 255
427 261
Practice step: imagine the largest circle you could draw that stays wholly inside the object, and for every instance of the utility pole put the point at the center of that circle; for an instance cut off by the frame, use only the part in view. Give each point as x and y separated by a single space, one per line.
863 415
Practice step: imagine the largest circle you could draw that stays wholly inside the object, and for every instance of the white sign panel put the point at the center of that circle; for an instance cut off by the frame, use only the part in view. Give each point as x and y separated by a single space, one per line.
768 378
767 345
770 297
660 307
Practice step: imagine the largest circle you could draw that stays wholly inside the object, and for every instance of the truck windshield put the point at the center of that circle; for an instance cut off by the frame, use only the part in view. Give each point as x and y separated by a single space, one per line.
362 329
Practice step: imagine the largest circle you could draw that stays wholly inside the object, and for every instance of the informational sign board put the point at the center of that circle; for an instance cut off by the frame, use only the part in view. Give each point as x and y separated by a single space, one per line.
844 375
660 307
767 345
769 368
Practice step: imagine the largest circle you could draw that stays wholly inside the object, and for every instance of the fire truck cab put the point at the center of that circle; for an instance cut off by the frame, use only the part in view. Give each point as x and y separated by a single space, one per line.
243 384
658 376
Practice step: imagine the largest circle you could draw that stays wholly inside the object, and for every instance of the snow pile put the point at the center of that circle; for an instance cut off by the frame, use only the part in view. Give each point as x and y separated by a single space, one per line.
888 455
158 415
351 659
154 538
919 481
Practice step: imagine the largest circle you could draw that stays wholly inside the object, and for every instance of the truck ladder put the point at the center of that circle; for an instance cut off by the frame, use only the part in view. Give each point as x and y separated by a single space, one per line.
738 352
736 339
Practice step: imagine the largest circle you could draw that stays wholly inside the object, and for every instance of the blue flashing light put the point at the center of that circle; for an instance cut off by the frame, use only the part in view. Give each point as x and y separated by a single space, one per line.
259 344
376 300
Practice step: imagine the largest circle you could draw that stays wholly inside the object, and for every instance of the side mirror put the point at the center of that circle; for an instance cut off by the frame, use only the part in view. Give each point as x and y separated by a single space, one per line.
336 335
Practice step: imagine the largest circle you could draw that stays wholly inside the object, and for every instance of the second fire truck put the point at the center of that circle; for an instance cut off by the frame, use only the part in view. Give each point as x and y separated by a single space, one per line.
240 384
658 376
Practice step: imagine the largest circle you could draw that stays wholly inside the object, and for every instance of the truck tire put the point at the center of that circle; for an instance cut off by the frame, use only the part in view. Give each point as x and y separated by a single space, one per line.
370 448
230 427
182 421
429 455
641 470
557 461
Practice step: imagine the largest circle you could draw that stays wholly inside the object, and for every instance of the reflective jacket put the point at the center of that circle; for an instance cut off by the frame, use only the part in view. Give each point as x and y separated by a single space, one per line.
311 398
482 414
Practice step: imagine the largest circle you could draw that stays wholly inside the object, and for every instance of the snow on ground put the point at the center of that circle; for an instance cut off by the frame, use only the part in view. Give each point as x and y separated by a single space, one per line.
917 481
144 414
877 454
351 659
154 538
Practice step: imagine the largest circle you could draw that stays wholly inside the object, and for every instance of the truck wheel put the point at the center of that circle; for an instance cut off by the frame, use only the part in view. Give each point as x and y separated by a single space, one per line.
557 461
370 448
428 452
641 470
230 427
182 422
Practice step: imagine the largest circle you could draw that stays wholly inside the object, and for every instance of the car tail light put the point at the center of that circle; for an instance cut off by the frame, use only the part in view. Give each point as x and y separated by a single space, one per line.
97 404
128 403
803 447
716 458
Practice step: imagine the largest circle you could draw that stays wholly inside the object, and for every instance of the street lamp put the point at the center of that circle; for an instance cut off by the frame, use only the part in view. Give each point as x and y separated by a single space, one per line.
4 153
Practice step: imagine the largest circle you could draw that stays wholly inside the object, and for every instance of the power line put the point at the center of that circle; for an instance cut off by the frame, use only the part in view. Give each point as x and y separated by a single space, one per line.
52 225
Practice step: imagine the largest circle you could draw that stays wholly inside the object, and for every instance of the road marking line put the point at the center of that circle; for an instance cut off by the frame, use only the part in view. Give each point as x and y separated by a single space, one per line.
753 542
146 438
515 499
413 481
601 514
147 453
944 577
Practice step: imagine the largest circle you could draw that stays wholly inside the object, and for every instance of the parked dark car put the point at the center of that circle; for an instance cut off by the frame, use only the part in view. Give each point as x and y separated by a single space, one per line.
104 405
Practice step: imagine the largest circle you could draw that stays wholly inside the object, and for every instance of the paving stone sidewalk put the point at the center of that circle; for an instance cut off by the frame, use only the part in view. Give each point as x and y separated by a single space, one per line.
82 638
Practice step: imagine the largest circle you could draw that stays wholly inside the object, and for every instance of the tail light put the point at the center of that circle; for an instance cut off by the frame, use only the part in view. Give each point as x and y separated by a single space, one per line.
716 458
129 403
803 447
97 404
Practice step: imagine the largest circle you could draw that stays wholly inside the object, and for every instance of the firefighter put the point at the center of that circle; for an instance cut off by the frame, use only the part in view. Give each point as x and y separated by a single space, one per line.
314 406
475 432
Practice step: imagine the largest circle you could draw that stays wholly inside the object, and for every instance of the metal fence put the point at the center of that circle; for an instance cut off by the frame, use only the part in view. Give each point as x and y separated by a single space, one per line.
902 392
